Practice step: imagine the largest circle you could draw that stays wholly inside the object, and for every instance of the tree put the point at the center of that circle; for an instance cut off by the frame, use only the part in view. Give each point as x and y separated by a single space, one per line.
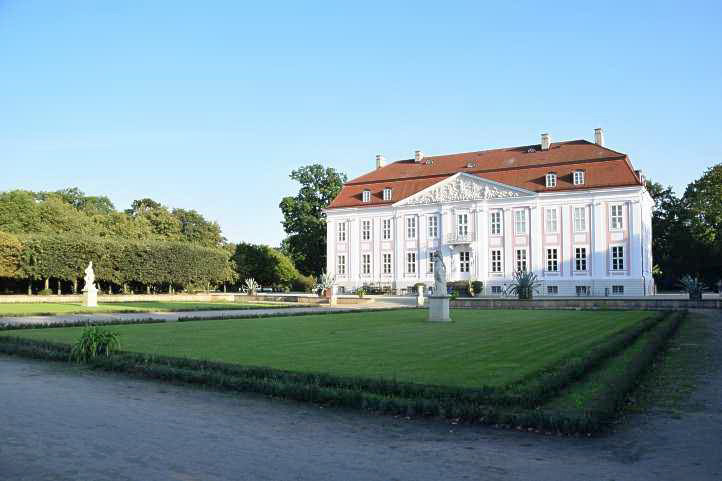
10 254
195 228
163 224
268 266
303 217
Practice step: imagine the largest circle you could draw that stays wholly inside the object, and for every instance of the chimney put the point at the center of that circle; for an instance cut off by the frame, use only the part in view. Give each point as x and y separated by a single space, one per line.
380 161
599 137
545 141
418 156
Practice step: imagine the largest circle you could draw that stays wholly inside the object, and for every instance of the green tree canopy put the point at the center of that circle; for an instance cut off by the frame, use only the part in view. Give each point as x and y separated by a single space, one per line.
268 266
303 217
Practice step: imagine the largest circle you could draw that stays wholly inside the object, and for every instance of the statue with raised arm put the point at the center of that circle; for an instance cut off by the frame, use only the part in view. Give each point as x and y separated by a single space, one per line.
439 275
89 277
90 291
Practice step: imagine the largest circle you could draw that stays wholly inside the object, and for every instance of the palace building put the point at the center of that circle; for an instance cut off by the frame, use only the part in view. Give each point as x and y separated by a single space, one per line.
575 213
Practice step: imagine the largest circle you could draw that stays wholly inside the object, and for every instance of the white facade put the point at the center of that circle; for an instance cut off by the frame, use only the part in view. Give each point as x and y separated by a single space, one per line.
583 242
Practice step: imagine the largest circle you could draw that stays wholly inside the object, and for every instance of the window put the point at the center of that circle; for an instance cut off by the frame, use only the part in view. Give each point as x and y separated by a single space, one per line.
521 260
411 227
462 224
520 221
464 261
552 260
341 266
387 193
617 258
411 263
580 219
582 291
365 230
386 229
552 290
578 177
617 290
366 264
580 259
433 227
366 196
342 232
496 260
387 264
551 221
616 217
431 264
496 289
496 223
551 179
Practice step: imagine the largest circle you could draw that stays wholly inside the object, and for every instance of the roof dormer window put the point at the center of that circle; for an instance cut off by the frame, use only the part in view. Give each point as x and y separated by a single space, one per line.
366 196
551 179
578 177
387 193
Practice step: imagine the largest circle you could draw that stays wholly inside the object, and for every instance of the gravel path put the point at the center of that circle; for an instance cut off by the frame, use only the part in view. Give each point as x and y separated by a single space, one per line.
60 422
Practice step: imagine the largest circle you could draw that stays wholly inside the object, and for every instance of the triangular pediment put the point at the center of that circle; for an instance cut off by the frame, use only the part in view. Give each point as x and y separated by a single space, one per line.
463 187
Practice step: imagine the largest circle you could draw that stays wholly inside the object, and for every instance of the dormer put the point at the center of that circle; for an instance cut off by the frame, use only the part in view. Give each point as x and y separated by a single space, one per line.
551 179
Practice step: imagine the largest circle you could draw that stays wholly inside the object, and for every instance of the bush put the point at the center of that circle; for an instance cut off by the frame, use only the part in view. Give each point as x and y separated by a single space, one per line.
462 288
477 287
94 341
303 283
46 292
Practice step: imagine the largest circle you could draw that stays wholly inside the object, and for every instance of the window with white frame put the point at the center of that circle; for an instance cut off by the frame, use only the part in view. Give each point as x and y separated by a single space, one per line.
411 262
578 177
462 224
551 221
552 290
366 196
495 222
553 260
433 226
496 260
551 179
365 230
430 269
386 228
411 227
496 289
580 219
341 265
521 260
582 290
464 261
387 263
366 264
387 193
617 258
617 290
520 221
341 232
580 259
616 217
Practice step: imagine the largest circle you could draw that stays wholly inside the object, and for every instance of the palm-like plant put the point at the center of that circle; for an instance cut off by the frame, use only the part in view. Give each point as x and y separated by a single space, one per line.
326 281
251 286
523 285
693 286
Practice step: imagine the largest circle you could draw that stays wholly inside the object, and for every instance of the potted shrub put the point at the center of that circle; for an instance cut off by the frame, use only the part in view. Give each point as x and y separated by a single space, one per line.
693 286
478 288
523 285
325 285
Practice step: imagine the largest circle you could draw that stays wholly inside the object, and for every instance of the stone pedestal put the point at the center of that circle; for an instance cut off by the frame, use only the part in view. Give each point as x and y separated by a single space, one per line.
439 309
90 297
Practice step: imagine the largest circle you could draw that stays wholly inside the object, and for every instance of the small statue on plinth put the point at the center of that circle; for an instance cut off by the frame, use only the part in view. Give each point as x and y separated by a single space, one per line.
90 291
439 302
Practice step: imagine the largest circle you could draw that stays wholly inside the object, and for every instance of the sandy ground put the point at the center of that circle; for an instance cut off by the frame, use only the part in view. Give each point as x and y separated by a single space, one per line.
60 422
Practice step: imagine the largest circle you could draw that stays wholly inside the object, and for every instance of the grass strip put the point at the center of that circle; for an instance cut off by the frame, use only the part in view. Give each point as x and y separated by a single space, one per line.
49 325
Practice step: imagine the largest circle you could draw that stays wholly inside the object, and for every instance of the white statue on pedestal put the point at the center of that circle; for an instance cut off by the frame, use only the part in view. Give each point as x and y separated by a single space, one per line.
439 302
439 275
90 291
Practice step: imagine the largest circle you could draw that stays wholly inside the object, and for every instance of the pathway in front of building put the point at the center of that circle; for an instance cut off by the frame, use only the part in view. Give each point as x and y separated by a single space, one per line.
215 314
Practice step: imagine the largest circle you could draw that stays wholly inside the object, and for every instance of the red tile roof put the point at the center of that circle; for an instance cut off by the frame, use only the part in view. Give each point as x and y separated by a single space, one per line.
524 167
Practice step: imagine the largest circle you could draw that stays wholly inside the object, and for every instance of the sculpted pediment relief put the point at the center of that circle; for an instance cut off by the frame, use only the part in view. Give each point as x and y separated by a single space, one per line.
461 187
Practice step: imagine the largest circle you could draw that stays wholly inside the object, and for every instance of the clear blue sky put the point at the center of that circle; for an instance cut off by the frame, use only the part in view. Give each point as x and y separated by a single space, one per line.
209 105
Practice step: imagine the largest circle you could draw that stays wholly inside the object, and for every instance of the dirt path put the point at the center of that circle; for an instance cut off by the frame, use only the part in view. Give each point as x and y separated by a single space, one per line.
60 422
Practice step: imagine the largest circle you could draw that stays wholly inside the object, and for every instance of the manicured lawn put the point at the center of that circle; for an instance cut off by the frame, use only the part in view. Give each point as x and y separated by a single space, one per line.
483 347
36 309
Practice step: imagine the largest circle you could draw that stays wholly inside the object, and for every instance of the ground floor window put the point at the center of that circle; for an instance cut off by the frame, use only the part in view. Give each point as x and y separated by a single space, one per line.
617 289
496 289
341 265
521 260
617 258
411 263
580 259
387 263
464 261
552 260
366 264
431 263
582 291
552 290
496 260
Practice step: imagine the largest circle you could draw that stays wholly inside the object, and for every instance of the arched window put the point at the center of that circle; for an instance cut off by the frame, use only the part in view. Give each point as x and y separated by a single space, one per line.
551 179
